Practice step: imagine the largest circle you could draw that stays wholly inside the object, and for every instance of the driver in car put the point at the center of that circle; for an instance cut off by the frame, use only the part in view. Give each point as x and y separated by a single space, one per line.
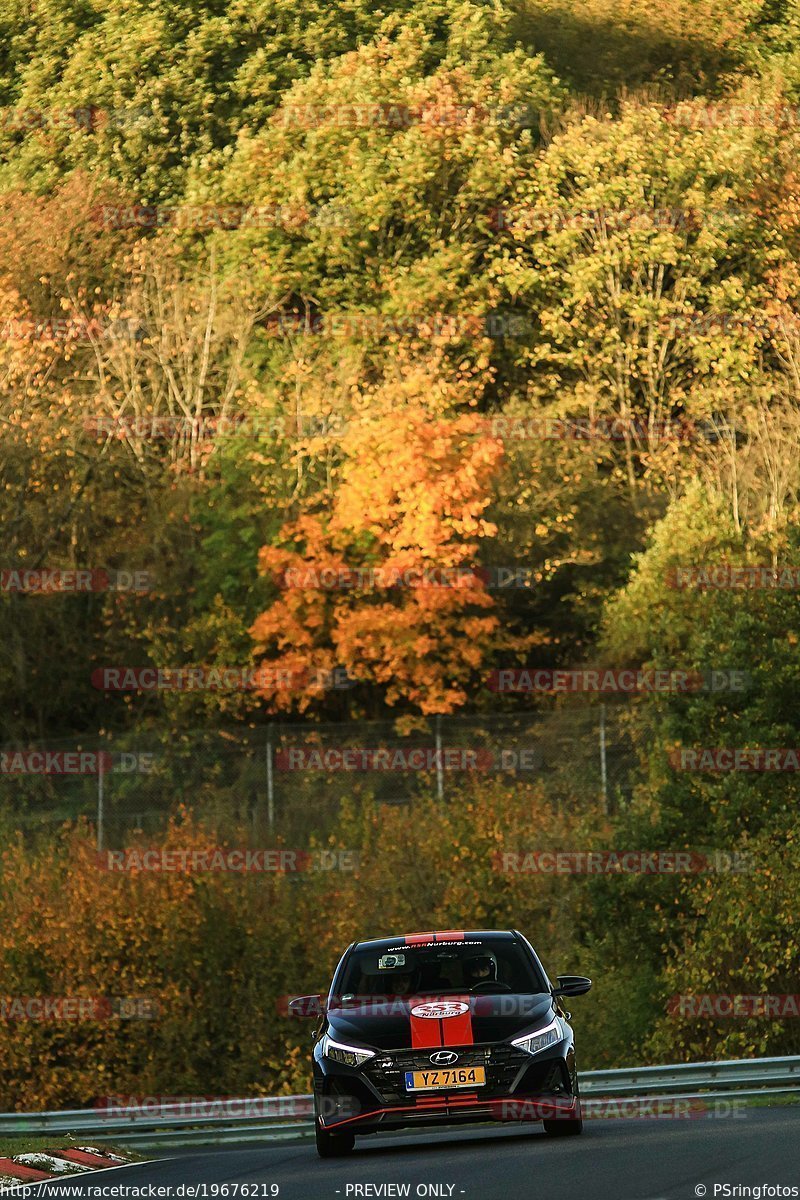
481 968
401 983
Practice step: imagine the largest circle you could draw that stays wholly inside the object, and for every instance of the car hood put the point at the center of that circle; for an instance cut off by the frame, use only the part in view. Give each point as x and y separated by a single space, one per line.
403 1023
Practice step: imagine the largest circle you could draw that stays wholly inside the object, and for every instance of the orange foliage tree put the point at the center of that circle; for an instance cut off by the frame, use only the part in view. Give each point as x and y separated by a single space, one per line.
383 582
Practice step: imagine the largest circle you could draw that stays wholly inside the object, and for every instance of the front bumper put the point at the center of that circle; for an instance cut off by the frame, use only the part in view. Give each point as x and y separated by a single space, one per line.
519 1087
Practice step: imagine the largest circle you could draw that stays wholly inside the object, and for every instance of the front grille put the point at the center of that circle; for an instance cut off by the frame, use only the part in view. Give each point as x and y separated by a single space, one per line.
503 1063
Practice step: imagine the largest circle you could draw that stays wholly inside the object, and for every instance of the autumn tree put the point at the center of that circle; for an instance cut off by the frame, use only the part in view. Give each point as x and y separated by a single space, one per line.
403 533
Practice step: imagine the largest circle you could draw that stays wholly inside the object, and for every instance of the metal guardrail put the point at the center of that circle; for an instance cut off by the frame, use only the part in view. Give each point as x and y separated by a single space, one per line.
756 1072
282 1118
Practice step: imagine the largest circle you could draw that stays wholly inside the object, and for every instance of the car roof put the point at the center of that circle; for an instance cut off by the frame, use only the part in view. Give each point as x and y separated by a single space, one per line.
435 937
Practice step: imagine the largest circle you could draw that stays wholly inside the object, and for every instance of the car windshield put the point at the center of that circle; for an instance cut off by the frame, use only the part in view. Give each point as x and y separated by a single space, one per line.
483 966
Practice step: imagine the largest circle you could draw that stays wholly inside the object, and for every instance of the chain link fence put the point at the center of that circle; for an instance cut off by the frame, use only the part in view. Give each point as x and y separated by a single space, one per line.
289 780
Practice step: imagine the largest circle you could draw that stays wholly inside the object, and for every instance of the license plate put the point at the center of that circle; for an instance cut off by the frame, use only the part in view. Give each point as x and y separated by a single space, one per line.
445 1077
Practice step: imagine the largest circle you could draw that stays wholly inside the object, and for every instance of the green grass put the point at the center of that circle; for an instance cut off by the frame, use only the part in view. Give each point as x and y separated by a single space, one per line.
767 1101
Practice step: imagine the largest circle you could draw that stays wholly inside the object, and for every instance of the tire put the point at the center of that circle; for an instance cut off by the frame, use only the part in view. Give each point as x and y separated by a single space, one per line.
332 1145
564 1128
559 1128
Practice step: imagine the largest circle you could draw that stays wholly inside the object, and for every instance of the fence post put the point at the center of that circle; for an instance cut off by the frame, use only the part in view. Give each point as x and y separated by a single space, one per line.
603 767
270 784
100 801
439 768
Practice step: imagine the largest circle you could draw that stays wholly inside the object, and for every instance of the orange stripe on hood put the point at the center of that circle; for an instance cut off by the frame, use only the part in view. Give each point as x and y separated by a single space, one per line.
457 1031
426 1033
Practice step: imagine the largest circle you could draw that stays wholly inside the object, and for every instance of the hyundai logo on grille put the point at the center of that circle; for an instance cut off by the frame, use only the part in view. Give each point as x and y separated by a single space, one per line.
443 1058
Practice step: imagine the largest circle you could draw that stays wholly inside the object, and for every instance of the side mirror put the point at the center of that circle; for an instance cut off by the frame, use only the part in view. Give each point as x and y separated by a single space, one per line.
572 985
306 1006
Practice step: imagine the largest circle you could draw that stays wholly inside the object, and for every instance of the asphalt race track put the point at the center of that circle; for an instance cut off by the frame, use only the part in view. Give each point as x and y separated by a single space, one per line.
618 1159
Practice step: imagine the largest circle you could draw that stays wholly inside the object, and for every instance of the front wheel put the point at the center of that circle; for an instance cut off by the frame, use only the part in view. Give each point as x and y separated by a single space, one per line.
332 1145
563 1128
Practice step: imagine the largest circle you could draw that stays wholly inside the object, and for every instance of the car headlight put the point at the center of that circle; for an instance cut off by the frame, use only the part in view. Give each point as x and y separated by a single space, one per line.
532 1043
350 1056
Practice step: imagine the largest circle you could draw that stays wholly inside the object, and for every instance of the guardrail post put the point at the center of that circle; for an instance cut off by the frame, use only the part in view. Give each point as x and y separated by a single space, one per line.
100 802
270 784
603 767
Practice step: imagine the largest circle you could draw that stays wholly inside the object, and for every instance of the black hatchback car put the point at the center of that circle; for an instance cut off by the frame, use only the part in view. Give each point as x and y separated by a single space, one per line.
441 1028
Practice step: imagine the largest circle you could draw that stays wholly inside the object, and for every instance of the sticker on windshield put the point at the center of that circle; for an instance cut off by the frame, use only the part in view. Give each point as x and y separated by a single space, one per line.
388 962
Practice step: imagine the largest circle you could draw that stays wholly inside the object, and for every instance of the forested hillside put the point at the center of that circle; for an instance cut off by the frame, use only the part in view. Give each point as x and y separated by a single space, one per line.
500 291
